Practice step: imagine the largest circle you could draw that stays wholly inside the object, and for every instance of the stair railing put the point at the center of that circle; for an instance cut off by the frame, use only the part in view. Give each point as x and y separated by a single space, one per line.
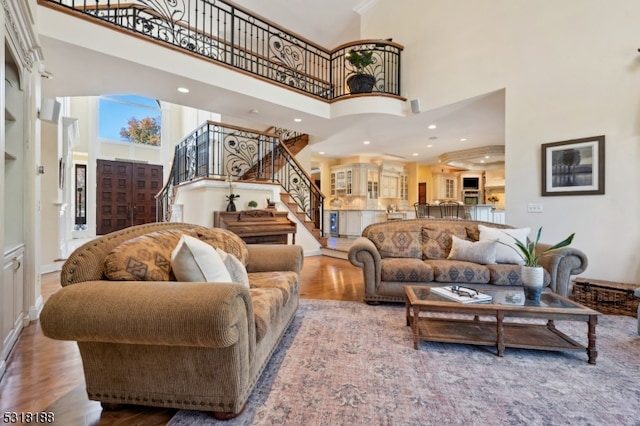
221 151
237 38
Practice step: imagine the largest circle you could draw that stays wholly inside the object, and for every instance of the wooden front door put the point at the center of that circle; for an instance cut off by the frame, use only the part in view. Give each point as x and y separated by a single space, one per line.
125 194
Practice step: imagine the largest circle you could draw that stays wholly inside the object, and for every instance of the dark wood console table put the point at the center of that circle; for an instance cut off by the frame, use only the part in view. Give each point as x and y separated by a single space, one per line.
267 226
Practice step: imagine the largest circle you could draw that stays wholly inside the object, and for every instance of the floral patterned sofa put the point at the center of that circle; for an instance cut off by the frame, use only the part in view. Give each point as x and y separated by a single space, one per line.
147 338
442 252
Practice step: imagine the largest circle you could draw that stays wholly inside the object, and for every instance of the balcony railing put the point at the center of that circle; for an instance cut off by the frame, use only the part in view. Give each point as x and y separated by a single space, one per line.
216 150
232 36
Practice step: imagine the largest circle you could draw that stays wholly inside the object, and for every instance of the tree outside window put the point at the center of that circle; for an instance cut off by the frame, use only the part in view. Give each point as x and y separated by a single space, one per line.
129 118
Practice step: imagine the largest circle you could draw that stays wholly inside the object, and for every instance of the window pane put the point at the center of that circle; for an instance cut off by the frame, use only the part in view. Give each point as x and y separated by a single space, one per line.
129 118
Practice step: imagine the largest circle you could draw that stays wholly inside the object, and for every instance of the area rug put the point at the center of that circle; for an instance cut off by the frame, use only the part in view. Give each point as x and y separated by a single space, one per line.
347 363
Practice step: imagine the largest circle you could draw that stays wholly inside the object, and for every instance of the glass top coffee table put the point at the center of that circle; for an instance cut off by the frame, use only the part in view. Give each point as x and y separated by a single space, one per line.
506 303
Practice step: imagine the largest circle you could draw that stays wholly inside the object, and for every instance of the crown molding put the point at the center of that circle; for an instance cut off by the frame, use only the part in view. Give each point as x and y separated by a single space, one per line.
21 33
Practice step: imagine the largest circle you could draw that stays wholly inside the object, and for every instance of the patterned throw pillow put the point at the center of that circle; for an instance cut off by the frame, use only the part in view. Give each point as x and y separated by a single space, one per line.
436 240
397 242
482 252
226 241
144 258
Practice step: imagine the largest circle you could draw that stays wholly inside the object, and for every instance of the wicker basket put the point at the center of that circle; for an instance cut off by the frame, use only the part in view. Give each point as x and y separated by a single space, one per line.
606 296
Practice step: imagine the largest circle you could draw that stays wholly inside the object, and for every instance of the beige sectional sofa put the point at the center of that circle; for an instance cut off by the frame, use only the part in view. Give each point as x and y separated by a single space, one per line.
146 339
419 252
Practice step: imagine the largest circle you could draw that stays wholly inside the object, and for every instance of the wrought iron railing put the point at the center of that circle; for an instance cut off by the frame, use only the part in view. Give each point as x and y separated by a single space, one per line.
216 150
232 36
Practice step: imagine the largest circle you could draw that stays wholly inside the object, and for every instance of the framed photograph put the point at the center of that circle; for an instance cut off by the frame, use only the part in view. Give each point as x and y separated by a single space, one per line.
574 167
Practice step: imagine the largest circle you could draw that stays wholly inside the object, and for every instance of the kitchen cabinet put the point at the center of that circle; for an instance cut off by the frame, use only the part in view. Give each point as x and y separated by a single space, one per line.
341 181
498 216
373 183
393 181
367 218
403 187
481 212
358 179
352 222
445 186
389 186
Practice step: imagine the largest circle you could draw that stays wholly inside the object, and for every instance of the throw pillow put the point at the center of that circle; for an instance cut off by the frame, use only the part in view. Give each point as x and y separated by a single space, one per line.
224 240
196 261
482 252
436 239
144 258
236 269
506 250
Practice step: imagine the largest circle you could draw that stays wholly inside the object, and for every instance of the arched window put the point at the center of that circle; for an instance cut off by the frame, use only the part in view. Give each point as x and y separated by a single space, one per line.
129 118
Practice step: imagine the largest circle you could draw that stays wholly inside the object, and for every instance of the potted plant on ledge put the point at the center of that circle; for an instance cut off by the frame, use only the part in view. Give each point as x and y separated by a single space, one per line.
360 81
531 272
231 206
252 204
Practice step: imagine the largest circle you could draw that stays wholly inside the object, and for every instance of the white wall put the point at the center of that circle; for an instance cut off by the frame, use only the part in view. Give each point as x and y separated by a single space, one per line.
570 70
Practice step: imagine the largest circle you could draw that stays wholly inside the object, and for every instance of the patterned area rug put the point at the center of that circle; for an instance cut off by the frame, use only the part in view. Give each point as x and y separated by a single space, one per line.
347 363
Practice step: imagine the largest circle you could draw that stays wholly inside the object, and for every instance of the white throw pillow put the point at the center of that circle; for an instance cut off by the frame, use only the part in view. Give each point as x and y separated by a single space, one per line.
196 261
505 253
481 252
236 269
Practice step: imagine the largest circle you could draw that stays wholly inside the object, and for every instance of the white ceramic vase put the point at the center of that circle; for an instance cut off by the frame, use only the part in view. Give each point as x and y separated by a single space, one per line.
532 279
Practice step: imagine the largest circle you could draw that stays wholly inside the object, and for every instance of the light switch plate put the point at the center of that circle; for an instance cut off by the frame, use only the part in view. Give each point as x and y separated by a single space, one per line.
534 207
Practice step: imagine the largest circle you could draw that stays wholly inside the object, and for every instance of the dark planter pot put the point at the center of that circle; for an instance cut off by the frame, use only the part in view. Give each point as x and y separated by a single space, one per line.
361 83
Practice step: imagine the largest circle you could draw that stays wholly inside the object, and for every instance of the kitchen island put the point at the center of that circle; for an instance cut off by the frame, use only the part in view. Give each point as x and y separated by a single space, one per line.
350 223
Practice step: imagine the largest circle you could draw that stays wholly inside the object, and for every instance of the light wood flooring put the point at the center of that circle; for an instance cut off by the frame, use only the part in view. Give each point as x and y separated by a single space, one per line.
46 375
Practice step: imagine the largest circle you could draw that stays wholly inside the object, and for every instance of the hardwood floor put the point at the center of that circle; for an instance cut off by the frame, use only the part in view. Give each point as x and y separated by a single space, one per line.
46 375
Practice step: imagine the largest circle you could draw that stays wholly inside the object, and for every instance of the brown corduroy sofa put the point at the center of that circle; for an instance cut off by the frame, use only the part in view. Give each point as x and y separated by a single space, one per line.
187 345
416 252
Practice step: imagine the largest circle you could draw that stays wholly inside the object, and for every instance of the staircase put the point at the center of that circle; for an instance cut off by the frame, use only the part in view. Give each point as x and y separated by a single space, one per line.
293 206
219 151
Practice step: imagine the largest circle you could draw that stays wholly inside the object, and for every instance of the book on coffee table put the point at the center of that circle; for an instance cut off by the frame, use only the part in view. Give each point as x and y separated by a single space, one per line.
461 294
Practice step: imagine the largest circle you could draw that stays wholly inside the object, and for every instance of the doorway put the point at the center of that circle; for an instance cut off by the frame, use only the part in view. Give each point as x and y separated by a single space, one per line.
422 192
125 194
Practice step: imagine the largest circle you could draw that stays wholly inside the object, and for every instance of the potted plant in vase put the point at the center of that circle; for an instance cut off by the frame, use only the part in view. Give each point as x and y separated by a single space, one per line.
231 206
532 273
252 204
360 81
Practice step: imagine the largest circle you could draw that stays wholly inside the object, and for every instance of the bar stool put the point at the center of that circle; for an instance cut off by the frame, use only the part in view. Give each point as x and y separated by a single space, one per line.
422 210
450 210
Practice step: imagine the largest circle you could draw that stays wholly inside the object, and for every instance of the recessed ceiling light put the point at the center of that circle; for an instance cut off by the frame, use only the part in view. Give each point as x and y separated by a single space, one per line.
429 146
321 153
366 142
415 154
297 120
183 90
253 111
486 156
432 126
463 139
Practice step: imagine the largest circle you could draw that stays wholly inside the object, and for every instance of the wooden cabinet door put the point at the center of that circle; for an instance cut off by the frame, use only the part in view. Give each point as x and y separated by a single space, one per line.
125 194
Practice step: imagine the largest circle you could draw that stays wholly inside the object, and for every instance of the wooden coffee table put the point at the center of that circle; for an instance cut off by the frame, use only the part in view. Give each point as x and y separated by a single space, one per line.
498 333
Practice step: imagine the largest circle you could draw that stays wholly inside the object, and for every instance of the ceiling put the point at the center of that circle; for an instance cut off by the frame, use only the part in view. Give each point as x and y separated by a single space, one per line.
472 123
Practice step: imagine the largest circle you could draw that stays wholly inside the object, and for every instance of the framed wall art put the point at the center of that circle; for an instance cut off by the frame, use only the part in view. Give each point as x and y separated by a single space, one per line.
573 167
